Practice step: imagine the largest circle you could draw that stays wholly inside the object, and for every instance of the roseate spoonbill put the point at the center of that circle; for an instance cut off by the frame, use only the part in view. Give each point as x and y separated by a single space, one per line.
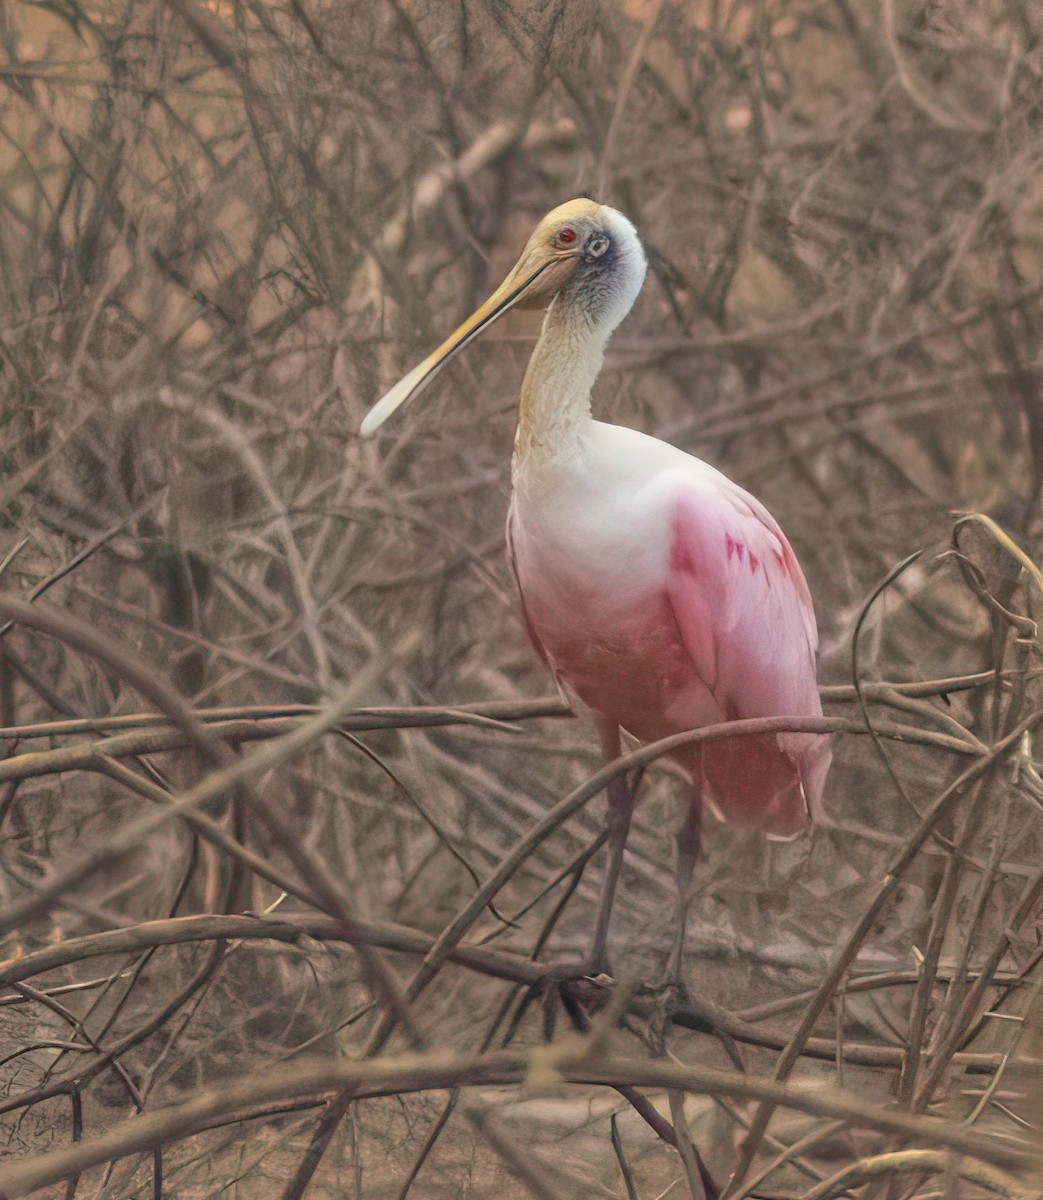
656 589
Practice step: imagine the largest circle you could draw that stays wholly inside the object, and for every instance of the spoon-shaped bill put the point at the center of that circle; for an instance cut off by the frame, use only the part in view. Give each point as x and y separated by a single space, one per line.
519 285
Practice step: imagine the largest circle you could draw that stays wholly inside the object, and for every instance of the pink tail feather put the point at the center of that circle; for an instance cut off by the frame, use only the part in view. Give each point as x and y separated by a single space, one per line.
756 782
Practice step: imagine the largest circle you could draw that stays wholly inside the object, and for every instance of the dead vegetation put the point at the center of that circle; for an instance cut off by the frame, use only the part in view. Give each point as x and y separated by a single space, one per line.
224 230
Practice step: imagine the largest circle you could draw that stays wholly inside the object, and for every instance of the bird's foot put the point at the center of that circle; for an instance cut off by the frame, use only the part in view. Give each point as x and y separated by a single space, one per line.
671 1003
668 997
582 975
570 987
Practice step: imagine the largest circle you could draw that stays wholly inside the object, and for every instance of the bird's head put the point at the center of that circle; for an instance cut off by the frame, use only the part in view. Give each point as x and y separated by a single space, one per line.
585 253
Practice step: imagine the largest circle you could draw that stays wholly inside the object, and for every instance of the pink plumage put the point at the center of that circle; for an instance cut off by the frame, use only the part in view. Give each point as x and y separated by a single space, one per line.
677 603
657 590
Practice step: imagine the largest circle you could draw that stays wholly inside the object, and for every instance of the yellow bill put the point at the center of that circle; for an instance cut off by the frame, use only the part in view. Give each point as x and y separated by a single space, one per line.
524 283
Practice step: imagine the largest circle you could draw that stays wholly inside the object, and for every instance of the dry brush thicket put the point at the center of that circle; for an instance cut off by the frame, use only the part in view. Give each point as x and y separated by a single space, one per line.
225 229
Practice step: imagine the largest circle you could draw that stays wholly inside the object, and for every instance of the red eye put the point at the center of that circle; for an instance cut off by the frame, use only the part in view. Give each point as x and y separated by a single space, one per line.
567 237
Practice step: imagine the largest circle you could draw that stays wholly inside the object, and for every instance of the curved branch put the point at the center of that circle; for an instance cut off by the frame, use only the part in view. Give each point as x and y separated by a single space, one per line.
426 1072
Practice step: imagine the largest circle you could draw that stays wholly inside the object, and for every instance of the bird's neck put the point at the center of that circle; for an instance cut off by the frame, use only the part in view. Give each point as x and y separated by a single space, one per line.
554 411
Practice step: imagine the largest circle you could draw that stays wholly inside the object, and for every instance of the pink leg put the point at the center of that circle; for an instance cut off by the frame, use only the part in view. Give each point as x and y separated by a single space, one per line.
688 842
672 988
620 810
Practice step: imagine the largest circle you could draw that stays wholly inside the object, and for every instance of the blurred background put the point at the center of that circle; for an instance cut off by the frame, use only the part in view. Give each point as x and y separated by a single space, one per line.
227 228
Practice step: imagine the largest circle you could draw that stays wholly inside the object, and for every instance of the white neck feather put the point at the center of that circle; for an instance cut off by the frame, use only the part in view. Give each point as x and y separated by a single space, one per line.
555 395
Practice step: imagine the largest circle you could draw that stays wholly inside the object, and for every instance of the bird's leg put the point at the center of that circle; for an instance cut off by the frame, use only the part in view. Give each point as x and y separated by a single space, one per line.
620 809
672 990
687 843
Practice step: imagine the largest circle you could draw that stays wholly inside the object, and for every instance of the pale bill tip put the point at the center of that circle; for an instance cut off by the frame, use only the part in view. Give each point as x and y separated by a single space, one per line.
383 408
373 420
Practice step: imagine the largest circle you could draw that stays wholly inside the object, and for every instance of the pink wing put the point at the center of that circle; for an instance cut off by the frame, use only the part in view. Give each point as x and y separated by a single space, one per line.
747 622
